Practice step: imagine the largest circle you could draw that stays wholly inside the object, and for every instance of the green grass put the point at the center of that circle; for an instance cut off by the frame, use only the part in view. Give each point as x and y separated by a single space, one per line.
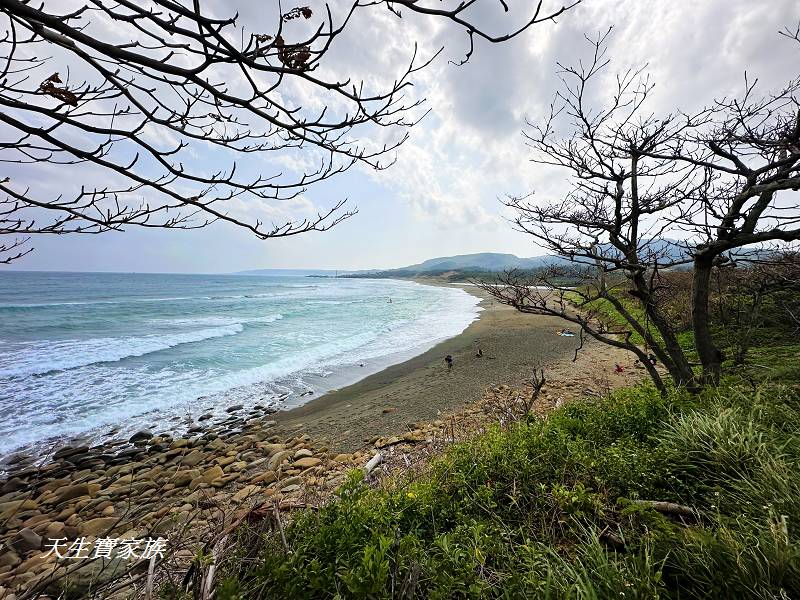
551 508
526 512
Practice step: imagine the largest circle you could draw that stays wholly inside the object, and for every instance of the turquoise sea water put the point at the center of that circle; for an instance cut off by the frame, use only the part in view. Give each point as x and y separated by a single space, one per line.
83 352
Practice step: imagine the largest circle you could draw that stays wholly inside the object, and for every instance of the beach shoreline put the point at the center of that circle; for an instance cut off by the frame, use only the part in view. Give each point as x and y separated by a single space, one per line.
419 387
413 386
423 388
187 488
284 393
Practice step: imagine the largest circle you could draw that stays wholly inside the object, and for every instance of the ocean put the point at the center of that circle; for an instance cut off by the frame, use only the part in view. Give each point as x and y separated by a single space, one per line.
88 356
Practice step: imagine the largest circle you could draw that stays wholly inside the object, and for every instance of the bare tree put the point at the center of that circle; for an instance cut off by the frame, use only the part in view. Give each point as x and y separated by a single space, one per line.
157 102
610 228
749 150
640 183
551 291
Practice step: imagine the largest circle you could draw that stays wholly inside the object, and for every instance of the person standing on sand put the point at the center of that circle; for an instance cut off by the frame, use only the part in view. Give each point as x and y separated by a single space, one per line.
449 360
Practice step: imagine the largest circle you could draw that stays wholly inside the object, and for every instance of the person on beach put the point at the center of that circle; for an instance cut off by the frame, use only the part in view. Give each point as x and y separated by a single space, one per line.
618 368
449 360
479 354
652 358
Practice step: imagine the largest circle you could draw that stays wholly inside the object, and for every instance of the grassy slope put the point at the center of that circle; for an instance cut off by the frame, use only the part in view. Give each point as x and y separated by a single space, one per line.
544 509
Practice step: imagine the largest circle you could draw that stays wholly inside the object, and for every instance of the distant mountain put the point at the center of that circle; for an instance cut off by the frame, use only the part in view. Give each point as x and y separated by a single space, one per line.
463 266
484 261
471 265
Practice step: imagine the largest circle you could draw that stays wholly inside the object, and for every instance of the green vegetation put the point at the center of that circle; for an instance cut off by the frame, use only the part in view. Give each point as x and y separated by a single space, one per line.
548 509
608 313
565 507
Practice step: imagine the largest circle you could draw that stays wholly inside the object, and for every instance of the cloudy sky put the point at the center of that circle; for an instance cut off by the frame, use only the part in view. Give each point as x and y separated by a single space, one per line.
441 196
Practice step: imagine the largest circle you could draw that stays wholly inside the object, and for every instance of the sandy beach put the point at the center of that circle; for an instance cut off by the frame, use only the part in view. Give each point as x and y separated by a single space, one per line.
422 389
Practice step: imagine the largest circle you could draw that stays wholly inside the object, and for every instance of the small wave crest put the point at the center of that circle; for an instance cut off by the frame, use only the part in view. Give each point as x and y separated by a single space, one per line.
215 321
39 358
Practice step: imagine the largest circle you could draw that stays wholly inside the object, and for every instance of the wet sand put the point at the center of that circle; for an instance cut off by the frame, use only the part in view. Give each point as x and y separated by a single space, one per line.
423 388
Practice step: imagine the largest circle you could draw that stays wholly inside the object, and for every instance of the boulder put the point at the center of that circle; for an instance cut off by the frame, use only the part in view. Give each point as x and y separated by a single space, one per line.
179 443
81 582
140 436
264 478
212 473
54 484
54 531
225 461
9 509
9 559
68 451
71 492
271 450
289 482
195 457
184 478
13 485
26 540
245 493
124 480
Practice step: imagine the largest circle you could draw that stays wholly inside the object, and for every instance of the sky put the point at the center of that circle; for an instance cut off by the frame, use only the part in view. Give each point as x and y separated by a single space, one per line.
442 195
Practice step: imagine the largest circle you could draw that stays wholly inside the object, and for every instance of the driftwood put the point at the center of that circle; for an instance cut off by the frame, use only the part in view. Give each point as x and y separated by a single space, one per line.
612 539
669 508
409 586
373 462
151 569
279 523
207 585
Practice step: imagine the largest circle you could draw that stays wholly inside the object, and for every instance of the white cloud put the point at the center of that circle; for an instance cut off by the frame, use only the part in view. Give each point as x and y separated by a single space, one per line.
456 164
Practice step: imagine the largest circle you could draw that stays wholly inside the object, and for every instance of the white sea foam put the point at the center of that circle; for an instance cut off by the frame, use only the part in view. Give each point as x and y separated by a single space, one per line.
74 387
38 358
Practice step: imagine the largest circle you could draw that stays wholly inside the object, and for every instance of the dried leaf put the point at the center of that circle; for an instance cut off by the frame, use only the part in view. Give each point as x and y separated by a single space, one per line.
294 57
49 88
296 13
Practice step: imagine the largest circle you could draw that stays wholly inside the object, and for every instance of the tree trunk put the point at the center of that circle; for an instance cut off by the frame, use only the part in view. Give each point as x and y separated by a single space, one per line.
676 362
710 356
